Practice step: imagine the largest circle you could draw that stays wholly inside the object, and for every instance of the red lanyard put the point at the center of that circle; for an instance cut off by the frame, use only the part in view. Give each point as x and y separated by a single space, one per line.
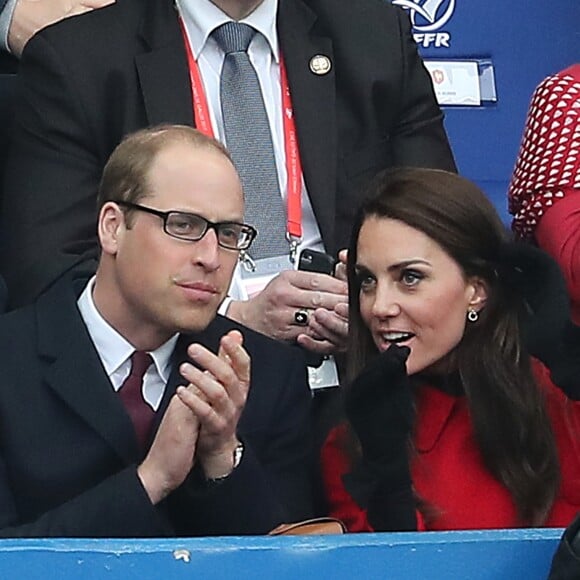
293 164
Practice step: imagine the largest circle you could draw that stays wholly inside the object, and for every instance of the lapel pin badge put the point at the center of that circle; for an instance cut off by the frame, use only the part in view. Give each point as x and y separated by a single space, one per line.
320 64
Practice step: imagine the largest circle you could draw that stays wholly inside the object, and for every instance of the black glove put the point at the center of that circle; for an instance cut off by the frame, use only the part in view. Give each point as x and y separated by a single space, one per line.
531 274
564 363
548 332
379 407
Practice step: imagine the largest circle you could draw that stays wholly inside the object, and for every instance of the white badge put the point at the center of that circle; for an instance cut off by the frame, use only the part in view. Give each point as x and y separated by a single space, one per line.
326 375
255 280
263 270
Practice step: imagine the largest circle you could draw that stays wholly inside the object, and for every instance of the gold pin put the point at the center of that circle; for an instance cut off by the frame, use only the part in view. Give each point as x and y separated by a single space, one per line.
320 64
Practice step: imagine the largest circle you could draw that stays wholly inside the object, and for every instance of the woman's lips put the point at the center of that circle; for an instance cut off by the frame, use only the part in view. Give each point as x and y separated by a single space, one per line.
386 338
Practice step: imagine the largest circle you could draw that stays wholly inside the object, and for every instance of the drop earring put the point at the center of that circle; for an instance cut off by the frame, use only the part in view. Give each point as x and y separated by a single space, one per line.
472 315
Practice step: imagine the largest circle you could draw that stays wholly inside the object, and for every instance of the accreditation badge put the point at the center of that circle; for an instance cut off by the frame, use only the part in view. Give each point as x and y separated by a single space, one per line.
324 376
256 278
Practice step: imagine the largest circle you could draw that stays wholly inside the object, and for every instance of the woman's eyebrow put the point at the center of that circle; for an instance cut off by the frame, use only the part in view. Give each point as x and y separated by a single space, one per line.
407 263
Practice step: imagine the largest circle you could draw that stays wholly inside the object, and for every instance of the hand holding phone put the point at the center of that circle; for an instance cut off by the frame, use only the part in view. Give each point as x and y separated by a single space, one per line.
327 330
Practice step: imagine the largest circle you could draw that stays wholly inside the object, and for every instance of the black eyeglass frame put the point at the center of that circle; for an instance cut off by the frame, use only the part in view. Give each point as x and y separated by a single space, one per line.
215 226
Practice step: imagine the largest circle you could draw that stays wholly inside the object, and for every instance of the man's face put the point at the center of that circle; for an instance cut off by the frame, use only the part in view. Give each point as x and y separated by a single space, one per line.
164 285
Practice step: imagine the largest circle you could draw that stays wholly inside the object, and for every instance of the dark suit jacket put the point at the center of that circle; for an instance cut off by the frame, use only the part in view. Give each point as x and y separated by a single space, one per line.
69 455
566 561
88 81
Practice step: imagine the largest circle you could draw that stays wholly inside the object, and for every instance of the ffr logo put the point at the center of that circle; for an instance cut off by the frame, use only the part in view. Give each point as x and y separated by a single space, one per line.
427 18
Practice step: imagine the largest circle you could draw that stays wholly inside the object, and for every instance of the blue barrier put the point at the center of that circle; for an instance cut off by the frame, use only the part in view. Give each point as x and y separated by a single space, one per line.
477 555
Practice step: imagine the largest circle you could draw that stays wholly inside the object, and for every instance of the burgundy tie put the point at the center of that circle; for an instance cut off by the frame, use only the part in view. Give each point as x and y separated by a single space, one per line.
131 393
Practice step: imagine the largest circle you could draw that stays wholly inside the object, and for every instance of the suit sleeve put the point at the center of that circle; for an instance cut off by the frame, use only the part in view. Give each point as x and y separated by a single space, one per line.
418 138
52 176
566 561
271 485
117 507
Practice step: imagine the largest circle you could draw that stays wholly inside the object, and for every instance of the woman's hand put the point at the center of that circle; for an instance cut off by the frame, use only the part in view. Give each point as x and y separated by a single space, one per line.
379 407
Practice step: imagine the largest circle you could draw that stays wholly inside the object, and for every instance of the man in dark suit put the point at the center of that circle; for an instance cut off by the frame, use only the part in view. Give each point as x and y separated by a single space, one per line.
225 452
361 98
566 561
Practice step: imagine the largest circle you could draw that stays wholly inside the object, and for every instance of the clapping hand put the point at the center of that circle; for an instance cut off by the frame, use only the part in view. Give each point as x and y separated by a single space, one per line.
217 396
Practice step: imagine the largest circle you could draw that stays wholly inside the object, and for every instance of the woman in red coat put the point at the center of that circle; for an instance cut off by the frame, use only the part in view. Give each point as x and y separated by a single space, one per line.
450 423
544 193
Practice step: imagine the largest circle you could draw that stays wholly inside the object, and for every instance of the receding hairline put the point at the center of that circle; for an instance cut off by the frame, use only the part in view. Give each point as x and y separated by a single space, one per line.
177 154
127 171
164 135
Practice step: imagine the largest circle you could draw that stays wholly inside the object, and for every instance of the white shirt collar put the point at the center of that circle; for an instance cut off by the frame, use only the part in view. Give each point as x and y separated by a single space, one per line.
113 349
203 17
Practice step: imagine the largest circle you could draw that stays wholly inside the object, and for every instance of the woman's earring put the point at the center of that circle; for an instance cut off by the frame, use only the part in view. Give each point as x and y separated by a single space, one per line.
472 315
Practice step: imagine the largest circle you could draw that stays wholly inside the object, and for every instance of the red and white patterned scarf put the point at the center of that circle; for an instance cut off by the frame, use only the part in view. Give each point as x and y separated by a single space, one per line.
548 164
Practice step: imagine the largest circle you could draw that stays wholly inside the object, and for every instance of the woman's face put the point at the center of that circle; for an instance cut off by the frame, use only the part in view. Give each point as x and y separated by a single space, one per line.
412 293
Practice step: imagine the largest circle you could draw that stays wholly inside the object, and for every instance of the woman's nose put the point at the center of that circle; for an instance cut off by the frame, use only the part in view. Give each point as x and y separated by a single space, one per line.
386 302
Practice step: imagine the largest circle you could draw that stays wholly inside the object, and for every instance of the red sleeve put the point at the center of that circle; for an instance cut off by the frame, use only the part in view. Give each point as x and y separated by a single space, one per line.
565 418
558 233
335 464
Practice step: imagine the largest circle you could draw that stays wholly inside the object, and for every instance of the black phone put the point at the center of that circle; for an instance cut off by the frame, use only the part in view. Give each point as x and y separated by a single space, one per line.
313 261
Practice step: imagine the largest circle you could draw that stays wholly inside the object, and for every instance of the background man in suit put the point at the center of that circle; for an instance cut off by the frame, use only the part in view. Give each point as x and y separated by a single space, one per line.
21 19
361 100
228 455
566 561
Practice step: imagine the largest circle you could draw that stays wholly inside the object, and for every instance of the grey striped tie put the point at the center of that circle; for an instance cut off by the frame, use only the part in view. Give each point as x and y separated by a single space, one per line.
249 140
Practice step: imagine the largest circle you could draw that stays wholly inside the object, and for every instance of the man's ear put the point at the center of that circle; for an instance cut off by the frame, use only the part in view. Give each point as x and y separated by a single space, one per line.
478 293
110 227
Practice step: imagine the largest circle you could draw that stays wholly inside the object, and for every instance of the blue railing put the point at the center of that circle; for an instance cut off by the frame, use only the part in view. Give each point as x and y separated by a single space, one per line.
485 555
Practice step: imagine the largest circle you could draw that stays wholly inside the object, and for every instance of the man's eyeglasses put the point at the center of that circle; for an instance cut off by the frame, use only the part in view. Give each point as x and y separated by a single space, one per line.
192 227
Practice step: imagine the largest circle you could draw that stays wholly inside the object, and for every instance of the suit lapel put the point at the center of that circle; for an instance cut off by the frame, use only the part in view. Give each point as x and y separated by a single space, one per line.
313 101
73 370
162 67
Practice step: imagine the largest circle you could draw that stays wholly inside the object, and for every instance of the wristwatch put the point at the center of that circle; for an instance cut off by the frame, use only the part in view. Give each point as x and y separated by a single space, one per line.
238 453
